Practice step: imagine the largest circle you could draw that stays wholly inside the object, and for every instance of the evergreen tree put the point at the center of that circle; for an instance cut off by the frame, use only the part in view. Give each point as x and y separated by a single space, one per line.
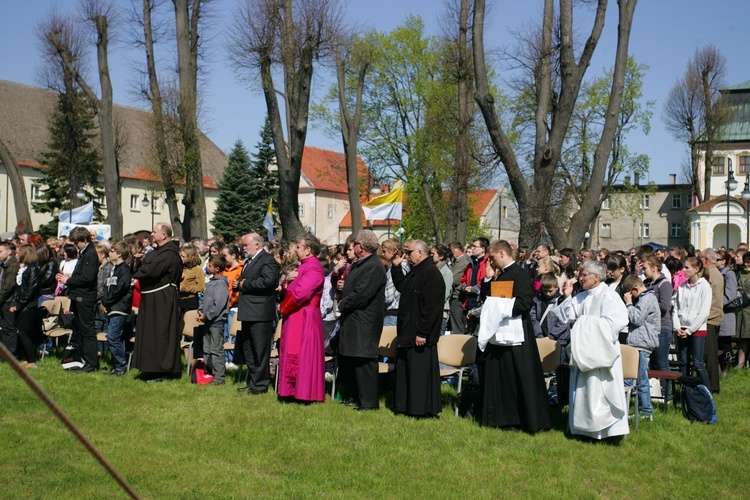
72 162
245 189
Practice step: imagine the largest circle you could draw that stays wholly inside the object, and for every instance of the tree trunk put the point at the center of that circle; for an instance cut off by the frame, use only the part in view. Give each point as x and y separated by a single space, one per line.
20 200
194 221
433 213
107 131
458 207
350 133
160 135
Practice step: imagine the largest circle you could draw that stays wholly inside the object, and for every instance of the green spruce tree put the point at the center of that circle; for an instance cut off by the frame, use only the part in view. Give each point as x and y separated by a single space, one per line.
72 162
245 190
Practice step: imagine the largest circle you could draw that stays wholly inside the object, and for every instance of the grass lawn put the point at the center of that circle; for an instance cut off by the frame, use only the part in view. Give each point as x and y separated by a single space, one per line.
176 440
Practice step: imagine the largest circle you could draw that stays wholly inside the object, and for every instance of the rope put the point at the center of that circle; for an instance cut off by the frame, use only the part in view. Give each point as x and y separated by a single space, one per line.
11 360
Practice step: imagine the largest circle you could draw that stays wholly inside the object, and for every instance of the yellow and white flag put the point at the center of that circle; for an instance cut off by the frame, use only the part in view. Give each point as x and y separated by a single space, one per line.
268 220
387 206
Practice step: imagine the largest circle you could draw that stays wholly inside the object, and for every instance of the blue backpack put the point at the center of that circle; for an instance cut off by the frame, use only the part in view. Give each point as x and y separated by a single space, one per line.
697 403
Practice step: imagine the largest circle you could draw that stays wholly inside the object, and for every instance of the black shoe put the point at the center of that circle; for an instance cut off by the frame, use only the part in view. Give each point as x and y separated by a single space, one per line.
362 408
115 372
243 389
257 393
348 402
83 369
216 382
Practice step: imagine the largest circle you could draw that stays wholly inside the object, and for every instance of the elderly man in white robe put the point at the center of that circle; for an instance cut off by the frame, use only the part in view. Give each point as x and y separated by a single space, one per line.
597 398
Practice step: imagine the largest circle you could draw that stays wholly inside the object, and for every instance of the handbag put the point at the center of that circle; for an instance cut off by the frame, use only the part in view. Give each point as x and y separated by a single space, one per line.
200 374
737 303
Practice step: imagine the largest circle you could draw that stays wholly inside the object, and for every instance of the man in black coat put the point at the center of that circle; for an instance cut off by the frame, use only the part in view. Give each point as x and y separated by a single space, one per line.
510 375
81 286
420 318
257 311
8 272
362 309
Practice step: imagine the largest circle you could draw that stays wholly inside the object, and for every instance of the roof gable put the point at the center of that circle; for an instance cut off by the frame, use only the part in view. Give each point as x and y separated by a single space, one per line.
24 116
326 170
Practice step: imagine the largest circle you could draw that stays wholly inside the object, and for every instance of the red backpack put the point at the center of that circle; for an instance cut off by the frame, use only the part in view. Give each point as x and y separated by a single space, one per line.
200 374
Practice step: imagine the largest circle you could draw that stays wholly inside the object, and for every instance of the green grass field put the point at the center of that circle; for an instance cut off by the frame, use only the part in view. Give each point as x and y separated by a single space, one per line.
177 440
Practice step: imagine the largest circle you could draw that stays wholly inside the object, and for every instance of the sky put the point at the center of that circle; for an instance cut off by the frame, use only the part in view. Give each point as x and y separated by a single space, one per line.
665 35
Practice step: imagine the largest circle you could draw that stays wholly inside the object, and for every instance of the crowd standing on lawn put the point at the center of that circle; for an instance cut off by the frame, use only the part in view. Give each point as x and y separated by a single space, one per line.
337 299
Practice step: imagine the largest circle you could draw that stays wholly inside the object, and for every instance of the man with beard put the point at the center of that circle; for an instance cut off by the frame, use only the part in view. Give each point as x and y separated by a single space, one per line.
157 339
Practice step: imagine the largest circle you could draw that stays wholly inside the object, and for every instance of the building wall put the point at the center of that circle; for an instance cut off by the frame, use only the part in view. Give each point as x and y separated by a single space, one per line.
134 217
664 216
502 204
737 156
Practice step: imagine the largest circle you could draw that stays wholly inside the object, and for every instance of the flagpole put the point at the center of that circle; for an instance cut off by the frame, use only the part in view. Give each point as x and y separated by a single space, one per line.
389 227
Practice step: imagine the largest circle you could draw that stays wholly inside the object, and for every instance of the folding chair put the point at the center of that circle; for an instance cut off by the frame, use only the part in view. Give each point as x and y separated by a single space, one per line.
458 351
630 360
188 334
51 330
387 349
549 353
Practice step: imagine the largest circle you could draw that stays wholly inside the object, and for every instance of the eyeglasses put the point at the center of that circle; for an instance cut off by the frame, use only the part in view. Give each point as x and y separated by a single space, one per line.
408 252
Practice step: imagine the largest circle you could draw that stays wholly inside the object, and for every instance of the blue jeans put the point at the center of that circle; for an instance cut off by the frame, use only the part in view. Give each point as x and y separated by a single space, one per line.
693 347
660 358
116 340
390 320
229 355
644 390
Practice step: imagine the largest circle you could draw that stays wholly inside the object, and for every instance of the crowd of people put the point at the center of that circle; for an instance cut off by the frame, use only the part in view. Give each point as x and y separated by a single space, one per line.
336 299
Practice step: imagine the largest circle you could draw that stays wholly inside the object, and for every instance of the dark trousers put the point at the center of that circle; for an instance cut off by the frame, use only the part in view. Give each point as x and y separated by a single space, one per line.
256 340
712 356
457 317
362 376
84 336
8 335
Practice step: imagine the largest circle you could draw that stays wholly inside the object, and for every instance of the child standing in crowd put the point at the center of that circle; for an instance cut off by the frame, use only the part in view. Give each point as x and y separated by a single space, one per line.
545 325
643 334
116 301
691 308
213 312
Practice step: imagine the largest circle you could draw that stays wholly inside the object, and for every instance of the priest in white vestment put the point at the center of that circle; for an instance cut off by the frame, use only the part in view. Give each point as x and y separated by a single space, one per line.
598 408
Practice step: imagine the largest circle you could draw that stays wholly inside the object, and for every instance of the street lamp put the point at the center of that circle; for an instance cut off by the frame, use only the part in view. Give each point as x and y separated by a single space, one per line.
146 202
400 233
746 196
731 185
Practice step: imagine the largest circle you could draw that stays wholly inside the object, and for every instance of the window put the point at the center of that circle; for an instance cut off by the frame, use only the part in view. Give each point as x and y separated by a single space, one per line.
36 193
676 201
606 230
606 204
675 230
155 205
718 163
645 202
330 211
645 230
745 164
301 210
135 203
505 212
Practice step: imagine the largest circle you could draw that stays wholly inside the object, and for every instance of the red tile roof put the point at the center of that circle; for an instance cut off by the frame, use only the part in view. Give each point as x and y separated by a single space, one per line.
326 170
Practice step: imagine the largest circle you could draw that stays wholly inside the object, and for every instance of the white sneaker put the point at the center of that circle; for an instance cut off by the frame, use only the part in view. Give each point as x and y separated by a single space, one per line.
232 366
329 377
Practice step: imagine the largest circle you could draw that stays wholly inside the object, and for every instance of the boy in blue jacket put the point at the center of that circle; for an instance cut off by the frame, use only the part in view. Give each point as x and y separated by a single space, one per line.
213 311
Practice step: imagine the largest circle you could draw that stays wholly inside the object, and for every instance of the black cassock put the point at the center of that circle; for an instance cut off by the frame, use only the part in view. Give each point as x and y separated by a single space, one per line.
511 378
157 338
420 313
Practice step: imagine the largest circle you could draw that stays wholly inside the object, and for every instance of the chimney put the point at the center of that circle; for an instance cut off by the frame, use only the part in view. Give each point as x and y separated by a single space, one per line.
673 178
636 178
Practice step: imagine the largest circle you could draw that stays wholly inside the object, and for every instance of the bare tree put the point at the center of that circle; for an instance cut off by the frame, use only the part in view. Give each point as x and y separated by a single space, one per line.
187 17
294 34
695 111
355 56
152 92
20 201
61 41
553 109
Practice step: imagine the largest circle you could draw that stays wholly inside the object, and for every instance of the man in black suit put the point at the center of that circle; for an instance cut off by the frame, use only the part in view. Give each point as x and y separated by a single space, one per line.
257 311
81 287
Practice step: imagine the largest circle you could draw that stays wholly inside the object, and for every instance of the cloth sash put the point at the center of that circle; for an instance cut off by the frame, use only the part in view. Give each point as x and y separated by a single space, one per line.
497 326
